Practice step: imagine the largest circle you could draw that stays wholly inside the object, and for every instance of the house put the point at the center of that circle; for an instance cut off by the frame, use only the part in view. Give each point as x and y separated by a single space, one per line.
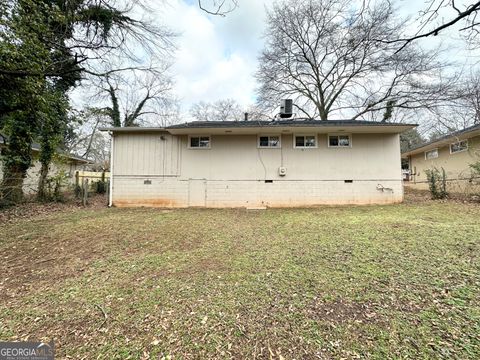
65 162
454 153
257 164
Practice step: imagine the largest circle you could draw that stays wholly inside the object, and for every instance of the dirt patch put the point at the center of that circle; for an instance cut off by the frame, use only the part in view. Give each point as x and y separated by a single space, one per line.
341 311
33 209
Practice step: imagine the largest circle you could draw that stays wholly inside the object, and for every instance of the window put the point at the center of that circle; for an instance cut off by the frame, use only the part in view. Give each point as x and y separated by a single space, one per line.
270 141
339 141
199 142
432 154
458 146
305 141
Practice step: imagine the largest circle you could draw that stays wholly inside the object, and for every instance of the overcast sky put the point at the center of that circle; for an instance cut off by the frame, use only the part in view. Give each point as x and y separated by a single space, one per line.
216 57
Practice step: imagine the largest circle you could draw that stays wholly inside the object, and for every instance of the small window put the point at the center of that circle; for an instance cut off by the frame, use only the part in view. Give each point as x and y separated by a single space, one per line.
199 142
270 141
305 141
432 154
339 141
458 146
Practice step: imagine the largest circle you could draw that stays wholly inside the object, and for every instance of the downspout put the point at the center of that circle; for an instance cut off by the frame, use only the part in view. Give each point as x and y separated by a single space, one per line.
110 193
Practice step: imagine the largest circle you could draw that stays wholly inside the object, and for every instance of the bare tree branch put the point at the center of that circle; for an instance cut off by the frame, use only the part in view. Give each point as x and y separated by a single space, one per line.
326 55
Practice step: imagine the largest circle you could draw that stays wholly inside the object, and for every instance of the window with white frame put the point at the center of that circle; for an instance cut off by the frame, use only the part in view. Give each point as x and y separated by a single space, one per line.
339 141
431 154
458 146
199 142
305 141
269 141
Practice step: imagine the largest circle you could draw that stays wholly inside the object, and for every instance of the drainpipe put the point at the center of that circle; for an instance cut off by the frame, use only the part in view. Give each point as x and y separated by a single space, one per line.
110 193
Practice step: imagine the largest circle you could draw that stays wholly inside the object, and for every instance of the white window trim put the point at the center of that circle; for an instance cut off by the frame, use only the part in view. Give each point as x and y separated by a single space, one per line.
459 151
269 147
340 134
304 147
199 148
436 157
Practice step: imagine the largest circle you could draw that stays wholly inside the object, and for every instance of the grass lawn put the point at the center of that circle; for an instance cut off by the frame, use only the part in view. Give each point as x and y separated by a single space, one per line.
400 281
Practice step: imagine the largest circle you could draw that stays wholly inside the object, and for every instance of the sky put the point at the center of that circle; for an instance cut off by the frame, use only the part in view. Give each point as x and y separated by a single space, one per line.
216 57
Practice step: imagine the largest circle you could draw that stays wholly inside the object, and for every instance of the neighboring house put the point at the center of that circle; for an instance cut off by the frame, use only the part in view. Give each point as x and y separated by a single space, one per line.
65 162
454 153
257 164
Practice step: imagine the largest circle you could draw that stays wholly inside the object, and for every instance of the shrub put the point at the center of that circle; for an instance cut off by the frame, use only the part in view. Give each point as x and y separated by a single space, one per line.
78 191
100 187
437 183
54 186
475 168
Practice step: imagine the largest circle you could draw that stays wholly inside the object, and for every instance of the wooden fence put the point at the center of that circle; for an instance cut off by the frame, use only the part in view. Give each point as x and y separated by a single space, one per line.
85 180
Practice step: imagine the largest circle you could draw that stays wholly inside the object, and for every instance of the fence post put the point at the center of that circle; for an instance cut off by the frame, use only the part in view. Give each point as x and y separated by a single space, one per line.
108 191
85 191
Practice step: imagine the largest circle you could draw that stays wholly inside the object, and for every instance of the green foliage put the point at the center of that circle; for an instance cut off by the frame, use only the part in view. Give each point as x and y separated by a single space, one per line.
54 187
387 115
39 63
475 168
410 139
100 187
78 191
437 183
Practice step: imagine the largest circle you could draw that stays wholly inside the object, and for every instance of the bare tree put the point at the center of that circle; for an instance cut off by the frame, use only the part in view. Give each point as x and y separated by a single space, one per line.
217 7
227 110
136 97
327 56
220 110
441 15
461 107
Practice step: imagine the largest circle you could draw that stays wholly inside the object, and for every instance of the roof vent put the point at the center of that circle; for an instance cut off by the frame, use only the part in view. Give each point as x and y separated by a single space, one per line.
286 108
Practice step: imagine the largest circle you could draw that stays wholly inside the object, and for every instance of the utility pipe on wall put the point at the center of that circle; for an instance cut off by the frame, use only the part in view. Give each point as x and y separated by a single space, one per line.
110 193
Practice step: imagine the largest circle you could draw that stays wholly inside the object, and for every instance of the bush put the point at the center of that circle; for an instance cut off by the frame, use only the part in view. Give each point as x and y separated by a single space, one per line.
78 191
437 183
54 187
475 168
100 187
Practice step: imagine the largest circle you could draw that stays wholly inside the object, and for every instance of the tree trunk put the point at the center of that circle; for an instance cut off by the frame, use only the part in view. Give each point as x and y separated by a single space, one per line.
12 186
41 193
16 159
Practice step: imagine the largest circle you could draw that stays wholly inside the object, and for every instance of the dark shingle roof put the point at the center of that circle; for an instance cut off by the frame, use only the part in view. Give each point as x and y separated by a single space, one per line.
279 123
446 137
36 147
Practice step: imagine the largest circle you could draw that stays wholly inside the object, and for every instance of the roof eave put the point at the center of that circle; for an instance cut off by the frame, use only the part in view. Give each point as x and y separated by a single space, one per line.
442 142
133 129
291 128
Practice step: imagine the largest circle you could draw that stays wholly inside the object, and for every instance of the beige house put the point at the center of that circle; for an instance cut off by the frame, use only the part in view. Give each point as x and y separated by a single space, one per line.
454 153
257 164
63 162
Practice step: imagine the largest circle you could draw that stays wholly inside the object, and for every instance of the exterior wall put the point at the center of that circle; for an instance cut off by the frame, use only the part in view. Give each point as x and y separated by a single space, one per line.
456 166
153 169
30 183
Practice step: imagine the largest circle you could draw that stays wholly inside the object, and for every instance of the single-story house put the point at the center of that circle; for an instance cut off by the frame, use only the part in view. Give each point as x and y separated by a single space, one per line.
65 162
454 153
257 164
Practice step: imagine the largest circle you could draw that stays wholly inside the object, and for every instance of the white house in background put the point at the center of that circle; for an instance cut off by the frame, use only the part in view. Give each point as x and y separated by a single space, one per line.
67 163
257 164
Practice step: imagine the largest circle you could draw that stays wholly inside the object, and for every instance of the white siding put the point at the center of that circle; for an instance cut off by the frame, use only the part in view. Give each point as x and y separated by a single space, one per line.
159 170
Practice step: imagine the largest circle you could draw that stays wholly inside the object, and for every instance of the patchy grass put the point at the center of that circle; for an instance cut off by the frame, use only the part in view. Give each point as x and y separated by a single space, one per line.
380 282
